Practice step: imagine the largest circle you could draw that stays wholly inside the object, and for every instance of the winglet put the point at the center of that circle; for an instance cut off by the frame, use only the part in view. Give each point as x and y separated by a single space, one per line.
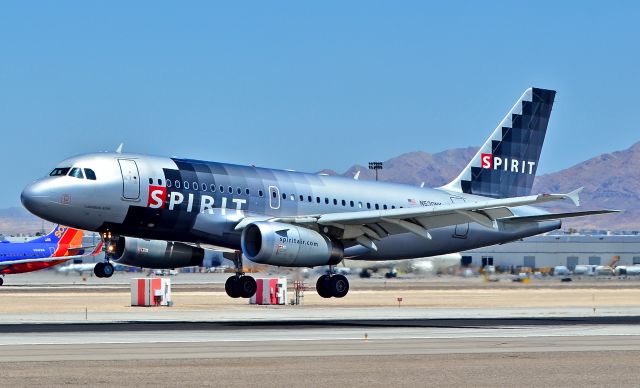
119 149
357 175
574 196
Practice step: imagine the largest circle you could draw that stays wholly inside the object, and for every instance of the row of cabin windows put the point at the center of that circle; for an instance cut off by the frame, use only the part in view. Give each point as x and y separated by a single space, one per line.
335 201
204 187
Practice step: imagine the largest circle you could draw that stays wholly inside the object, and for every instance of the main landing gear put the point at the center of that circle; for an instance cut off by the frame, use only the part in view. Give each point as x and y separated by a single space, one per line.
239 285
331 285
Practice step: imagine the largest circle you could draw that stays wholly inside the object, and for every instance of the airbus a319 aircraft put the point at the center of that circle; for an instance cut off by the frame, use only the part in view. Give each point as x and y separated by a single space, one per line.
164 212
60 245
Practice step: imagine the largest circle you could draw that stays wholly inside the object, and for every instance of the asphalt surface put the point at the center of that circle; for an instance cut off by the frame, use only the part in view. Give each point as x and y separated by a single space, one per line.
598 351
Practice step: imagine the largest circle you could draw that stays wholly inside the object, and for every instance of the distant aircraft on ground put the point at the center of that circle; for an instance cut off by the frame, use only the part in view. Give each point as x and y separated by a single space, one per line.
160 212
424 266
60 245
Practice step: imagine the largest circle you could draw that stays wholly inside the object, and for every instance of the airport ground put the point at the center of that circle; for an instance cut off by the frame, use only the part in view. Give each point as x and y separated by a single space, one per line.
449 331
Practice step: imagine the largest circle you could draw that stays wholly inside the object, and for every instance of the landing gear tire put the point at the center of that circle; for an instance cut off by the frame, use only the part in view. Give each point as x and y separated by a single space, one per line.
240 286
231 287
323 286
107 270
339 286
247 286
1 281
98 270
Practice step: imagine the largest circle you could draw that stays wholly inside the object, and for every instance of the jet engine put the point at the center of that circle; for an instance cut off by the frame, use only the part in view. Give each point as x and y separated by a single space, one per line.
163 254
280 244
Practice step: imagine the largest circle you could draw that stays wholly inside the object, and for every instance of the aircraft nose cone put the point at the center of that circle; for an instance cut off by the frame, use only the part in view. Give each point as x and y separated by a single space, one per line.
35 197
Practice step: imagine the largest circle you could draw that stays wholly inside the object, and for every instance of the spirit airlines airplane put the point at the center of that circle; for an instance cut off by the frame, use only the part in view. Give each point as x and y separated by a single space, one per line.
60 245
161 212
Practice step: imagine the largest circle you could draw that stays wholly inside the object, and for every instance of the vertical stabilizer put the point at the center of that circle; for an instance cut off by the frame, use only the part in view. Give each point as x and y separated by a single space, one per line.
506 164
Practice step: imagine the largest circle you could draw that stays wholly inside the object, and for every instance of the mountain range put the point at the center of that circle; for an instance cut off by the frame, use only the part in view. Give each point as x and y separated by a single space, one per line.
610 181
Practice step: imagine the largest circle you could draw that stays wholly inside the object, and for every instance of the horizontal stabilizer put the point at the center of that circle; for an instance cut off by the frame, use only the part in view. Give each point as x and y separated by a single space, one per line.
555 216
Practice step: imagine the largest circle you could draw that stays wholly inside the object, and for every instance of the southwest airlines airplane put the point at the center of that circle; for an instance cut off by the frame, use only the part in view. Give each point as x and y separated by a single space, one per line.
60 245
164 212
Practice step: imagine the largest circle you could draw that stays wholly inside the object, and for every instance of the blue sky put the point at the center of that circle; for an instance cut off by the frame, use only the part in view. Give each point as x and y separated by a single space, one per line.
307 85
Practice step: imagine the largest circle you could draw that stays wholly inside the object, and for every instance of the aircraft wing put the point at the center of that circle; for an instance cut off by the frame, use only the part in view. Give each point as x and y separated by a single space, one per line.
366 226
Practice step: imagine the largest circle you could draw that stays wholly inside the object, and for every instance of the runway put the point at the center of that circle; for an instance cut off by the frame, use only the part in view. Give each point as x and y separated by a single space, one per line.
140 341
485 335
312 353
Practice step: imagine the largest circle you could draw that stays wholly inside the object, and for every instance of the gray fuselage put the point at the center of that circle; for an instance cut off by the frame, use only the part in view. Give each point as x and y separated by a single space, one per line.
202 202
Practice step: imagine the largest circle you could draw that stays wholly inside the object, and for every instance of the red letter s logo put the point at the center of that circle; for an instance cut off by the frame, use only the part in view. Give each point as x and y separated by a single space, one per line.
157 196
487 160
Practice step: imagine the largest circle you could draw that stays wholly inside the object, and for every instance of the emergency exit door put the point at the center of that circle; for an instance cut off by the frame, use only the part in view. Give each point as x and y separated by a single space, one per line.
130 179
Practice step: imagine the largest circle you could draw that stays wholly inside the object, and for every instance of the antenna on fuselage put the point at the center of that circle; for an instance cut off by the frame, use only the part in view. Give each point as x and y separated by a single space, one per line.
119 149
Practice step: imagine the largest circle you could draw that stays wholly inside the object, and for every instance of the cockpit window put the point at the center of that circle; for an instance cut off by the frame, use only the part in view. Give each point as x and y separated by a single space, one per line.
59 171
76 173
90 174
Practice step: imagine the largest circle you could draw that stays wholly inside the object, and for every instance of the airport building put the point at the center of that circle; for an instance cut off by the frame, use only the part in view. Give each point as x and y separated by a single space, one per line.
548 251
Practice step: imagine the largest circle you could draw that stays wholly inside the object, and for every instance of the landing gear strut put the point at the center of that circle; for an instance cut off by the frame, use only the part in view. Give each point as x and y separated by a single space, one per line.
331 285
239 285
105 269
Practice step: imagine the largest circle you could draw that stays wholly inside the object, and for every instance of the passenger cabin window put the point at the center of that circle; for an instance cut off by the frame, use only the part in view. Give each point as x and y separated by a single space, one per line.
159 181
246 191
203 187
168 183
150 181
239 191
76 173
90 174
221 189
195 185
213 188
186 185
177 184
260 193
60 171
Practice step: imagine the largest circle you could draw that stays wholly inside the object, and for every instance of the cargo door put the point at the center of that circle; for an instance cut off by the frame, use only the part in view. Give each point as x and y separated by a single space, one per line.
130 179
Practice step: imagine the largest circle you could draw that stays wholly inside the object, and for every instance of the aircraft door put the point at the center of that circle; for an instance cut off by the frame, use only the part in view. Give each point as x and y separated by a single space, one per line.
274 197
130 179
462 230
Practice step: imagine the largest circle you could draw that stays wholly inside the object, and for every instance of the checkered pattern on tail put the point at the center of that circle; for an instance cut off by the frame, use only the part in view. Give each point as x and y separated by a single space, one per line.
506 164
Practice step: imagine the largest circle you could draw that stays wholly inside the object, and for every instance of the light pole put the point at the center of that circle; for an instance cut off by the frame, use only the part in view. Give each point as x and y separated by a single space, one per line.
375 166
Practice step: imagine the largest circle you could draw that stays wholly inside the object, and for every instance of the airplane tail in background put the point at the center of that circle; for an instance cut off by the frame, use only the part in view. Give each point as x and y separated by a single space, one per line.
506 164
62 235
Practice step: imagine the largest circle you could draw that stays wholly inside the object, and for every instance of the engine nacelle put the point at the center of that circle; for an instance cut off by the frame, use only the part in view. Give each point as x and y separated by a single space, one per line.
163 254
280 244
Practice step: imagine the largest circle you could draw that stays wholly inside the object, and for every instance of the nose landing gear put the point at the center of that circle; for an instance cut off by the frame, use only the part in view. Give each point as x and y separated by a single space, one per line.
105 269
239 285
330 285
